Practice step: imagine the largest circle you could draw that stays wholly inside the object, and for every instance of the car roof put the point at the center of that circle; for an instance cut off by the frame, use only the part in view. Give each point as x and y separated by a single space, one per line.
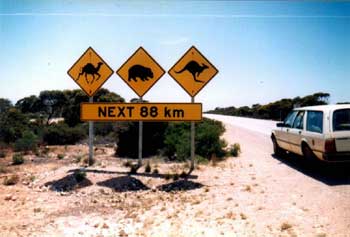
325 107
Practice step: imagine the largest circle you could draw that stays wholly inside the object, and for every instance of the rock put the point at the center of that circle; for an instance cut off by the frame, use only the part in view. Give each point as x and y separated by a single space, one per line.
8 197
105 226
154 188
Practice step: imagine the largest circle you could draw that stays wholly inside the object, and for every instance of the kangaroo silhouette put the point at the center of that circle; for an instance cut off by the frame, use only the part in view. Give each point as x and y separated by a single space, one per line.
195 69
141 72
91 70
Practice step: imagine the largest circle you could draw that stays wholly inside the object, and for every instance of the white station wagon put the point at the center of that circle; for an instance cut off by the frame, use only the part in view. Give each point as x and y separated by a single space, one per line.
321 132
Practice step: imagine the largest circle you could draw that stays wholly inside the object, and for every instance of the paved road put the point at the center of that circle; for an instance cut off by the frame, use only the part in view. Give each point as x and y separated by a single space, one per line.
256 125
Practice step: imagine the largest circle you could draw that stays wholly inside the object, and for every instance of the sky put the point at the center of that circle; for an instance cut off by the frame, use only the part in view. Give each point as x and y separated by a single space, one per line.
264 50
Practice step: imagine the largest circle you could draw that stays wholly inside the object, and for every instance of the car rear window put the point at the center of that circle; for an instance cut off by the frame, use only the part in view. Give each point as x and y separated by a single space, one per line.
314 121
341 120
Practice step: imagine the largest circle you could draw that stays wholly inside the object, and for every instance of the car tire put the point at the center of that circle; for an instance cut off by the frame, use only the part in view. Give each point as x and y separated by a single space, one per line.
277 150
308 153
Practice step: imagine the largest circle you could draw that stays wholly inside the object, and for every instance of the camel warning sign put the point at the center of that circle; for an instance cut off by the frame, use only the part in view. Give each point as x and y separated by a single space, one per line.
140 72
193 71
90 72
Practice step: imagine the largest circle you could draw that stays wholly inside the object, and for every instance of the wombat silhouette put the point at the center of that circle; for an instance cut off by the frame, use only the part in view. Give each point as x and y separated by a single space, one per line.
141 72
91 70
195 69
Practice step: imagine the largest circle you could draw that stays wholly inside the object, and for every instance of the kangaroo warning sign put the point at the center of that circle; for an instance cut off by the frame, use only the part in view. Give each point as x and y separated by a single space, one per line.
141 111
193 71
90 72
140 72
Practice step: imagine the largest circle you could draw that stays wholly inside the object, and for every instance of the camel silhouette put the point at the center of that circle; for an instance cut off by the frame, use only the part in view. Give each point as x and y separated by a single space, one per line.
195 69
92 70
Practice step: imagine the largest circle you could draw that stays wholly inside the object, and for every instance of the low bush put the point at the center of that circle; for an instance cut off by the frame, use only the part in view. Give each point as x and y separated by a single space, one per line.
86 161
17 159
127 163
28 142
148 168
133 169
208 142
235 150
79 175
155 171
60 156
11 180
128 133
2 154
61 134
3 170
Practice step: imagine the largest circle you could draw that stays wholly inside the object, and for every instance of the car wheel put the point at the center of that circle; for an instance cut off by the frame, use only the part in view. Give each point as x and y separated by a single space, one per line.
308 153
277 150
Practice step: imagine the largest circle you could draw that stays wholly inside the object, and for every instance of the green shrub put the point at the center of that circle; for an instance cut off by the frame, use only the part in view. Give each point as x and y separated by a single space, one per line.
167 176
155 171
235 150
61 134
79 175
201 160
17 159
78 158
183 175
28 142
175 176
208 142
12 125
177 141
11 180
128 134
2 154
60 156
148 168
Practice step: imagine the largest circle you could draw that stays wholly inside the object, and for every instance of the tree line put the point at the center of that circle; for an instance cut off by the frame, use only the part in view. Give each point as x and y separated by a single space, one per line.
277 110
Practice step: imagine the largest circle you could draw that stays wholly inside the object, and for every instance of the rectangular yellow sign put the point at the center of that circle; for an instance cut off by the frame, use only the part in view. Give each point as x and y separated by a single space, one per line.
141 111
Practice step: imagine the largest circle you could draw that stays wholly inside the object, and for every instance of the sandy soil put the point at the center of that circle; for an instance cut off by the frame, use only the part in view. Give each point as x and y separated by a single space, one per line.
255 194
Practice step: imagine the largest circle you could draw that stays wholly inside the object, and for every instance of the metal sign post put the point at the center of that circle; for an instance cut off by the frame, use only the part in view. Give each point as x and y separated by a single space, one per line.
140 139
192 141
91 137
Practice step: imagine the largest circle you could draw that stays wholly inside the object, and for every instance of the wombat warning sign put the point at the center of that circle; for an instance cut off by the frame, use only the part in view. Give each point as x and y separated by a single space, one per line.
140 72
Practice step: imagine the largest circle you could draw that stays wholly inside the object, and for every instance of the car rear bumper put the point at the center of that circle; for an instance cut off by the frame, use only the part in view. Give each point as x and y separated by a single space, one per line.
337 157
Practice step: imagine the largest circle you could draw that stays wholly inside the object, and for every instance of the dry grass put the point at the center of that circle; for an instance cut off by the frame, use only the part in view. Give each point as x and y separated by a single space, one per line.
243 216
11 180
285 226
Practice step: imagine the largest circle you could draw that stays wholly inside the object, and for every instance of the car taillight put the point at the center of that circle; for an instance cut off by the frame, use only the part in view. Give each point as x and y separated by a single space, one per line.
330 146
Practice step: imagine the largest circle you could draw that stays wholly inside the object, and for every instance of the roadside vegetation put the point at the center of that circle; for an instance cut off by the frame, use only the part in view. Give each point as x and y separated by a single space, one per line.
53 118
277 110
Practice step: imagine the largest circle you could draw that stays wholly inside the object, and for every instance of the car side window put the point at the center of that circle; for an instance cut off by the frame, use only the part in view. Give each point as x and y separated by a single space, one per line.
314 121
299 120
288 122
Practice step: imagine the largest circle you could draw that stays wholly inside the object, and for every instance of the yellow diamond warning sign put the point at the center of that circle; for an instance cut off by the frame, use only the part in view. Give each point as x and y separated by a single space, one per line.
193 71
140 72
90 72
